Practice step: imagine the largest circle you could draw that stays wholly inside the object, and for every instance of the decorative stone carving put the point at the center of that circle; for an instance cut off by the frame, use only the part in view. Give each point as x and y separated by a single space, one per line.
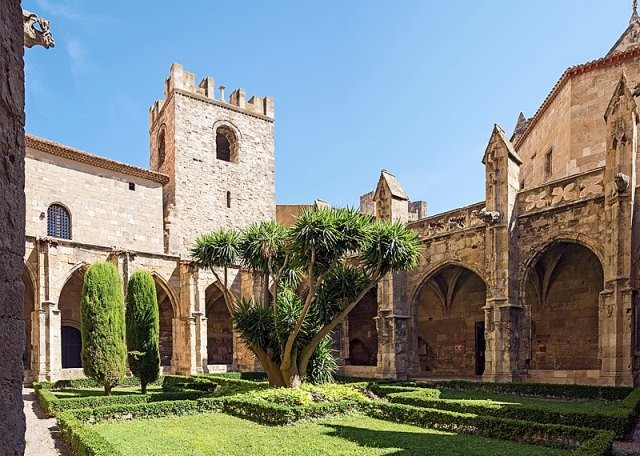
36 31
580 188
490 217
622 182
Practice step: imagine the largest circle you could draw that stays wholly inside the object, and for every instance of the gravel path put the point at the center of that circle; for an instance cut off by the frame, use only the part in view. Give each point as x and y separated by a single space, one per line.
43 437
628 447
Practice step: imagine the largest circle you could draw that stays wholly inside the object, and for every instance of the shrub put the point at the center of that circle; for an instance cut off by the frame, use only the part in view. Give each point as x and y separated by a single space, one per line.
143 328
607 393
551 435
322 364
103 331
83 440
54 405
176 383
618 421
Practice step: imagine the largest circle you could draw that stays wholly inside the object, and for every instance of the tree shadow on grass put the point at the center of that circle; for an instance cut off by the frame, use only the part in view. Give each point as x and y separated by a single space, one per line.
413 443
408 443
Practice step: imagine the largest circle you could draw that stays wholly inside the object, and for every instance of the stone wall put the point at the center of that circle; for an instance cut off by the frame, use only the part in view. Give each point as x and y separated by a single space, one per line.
206 193
126 219
448 307
12 242
573 124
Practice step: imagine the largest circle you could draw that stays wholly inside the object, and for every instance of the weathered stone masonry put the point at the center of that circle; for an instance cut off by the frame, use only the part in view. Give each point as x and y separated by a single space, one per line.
538 282
12 424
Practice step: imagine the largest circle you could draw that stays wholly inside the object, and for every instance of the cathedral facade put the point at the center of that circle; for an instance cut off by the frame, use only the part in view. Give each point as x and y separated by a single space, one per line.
536 283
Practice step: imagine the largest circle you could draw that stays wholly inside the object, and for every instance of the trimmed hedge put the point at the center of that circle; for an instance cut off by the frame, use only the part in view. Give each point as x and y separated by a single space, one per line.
90 383
593 442
252 409
559 391
83 440
54 405
178 383
384 390
618 421
253 376
225 379
586 442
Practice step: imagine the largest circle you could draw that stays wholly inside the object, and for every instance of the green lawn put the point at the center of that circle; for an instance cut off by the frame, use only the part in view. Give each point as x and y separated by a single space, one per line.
555 405
99 391
221 434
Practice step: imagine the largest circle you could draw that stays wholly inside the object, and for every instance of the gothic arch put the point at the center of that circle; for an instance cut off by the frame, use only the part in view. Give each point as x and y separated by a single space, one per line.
448 321
168 289
539 249
220 344
437 268
363 335
70 320
167 312
560 290
30 304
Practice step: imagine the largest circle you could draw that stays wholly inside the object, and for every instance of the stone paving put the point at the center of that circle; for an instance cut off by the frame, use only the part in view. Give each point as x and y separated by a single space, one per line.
43 436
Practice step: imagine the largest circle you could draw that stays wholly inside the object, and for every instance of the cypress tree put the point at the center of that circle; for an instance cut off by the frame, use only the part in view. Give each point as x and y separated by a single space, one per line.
104 351
143 328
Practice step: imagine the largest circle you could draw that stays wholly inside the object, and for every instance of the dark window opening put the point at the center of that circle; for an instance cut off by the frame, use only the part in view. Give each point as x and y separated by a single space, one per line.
161 146
132 186
548 164
228 199
226 144
71 348
223 148
58 222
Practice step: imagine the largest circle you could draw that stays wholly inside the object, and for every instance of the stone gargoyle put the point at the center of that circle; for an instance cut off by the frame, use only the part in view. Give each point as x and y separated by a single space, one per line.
622 182
36 31
490 217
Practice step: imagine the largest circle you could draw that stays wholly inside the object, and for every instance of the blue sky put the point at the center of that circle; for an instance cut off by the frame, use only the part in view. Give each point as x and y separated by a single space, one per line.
359 85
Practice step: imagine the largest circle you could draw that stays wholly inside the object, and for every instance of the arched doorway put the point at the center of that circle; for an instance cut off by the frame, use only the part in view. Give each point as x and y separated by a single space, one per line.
69 305
165 309
562 293
450 323
363 336
219 327
29 306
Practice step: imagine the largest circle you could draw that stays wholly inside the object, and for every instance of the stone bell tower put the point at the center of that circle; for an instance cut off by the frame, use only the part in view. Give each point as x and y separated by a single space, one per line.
219 155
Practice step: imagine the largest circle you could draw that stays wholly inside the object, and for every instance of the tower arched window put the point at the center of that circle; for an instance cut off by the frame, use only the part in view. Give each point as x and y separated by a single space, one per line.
226 145
161 147
58 222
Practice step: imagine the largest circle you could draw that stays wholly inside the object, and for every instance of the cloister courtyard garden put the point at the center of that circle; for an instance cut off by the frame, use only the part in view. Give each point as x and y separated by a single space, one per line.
316 271
239 414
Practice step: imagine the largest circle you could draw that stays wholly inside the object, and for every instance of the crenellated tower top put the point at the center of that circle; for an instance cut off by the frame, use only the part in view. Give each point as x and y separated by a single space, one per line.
184 81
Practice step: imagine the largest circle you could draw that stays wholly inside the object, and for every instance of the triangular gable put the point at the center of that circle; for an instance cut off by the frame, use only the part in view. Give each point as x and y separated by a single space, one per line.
622 90
499 135
392 184
631 36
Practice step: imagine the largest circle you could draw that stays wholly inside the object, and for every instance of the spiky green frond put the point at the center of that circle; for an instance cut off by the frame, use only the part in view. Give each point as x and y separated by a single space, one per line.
217 249
392 247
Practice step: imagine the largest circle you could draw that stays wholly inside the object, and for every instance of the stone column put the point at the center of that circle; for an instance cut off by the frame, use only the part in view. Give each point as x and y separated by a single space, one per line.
392 322
12 223
616 301
502 311
185 327
53 340
198 303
